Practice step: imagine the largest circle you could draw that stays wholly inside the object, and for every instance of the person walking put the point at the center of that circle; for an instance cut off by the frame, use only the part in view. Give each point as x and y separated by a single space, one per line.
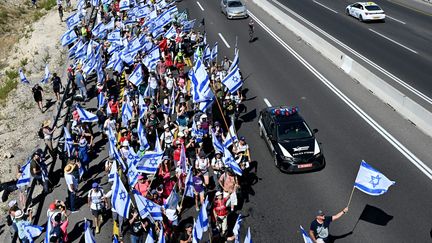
319 228
97 204
57 85
48 134
36 170
72 185
220 213
21 222
80 83
38 96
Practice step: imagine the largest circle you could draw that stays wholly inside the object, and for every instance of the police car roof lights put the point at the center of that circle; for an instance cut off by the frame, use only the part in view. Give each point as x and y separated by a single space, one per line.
284 111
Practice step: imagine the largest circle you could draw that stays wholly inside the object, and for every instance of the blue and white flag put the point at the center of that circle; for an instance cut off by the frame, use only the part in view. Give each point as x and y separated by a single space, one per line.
152 58
214 52
25 177
95 3
115 239
80 5
161 238
233 80
74 48
118 65
150 237
132 157
120 199
88 234
68 141
48 229
113 172
229 161
132 175
171 32
32 231
23 77
46 75
147 208
189 184
202 220
101 99
142 136
216 143
150 162
110 25
158 148
248 238
172 200
114 36
86 116
236 229
305 235
136 77
114 152
124 5
113 59
195 238
126 112
371 181
183 159
200 83
143 11
68 37
188 25
231 137
235 63
73 20
142 106
207 53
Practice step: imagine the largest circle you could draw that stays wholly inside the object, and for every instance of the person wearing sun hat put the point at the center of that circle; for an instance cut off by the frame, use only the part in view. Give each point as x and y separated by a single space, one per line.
21 222
72 184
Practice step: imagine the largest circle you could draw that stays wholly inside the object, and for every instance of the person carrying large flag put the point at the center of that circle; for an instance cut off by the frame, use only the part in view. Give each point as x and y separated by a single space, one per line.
319 230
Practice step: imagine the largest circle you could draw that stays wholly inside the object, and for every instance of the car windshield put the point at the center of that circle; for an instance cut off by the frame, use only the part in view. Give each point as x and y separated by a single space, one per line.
234 4
373 8
293 130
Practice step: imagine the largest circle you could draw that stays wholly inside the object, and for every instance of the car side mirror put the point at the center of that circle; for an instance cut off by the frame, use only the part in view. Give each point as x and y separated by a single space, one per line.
315 130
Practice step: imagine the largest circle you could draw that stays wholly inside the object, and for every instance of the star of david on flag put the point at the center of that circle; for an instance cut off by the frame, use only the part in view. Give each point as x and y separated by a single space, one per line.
120 199
68 37
147 208
25 176
136 76
233 80
371 181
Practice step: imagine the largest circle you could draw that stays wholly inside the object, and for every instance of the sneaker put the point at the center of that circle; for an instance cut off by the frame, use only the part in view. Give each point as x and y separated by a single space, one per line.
74 211
97 230
197 209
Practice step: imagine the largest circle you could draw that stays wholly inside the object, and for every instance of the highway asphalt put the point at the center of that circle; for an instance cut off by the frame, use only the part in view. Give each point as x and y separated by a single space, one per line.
282 202
379 46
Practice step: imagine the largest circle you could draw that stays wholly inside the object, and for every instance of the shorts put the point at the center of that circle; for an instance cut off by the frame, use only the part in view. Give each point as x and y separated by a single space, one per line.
96 213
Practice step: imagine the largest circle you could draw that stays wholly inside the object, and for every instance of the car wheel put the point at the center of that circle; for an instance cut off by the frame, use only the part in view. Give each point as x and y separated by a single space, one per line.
360 18
275 160
347 12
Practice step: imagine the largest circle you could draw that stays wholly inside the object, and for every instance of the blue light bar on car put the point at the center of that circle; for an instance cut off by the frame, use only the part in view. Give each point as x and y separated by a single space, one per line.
285 111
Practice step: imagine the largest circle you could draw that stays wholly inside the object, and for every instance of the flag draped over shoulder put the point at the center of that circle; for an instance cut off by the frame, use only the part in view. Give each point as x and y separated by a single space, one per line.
371 181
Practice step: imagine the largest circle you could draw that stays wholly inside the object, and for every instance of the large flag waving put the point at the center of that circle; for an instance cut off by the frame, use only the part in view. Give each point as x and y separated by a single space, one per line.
88 234
229 161
202 220
25 177
86 116
371 181
120 199
136 76
147 208
233 80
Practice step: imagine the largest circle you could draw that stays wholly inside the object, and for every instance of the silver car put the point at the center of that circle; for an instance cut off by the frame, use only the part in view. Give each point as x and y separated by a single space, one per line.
233 9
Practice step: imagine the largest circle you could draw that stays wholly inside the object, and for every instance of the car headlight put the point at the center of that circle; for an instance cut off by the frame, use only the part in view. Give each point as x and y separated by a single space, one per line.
285 154
317 149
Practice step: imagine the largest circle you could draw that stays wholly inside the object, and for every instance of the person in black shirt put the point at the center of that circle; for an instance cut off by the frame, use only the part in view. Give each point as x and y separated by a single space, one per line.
319 228
57 85
138 229
186 235
38 95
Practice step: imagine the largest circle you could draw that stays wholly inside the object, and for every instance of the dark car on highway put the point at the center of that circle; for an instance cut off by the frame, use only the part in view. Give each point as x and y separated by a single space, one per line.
290 140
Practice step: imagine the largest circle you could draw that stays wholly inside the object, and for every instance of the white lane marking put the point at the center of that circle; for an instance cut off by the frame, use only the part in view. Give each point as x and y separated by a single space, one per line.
376 66
397 43
395 19
267 102
386 135
224 41
199 5
324 6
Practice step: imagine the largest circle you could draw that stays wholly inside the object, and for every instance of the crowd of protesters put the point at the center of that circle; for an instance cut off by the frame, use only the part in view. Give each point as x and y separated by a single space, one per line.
169 144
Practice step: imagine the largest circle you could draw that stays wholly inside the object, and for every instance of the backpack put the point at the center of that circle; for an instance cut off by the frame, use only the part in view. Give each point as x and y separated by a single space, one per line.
40 133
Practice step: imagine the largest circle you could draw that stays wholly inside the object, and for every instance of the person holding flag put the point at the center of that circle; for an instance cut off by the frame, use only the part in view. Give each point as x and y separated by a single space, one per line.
319 230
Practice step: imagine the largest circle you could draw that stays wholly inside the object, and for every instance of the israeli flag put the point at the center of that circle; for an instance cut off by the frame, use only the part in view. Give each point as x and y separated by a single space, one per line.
152 58
113 59
248 238
118 65
88 234
200 83
189 184
74 48
73 20
48 229
25 176
81 50
124 5
120 199
236 229
142 136
68 142
305 235
229 161
214 52
231 137
132 157
32 231
171 32
161 4
150 162
183 159
80 5
95 3
136 77
134 46
150 238
205 105
235 63
216 144
132 175
371 181
68 37
126 113
158 148
86 116
233 80
172 200
23 77
161 238
114 36
202 220
113 172
97 29
188 25
142 106
147 208
207 53
110 25
194 234
101 99
114 151
46 75
143 11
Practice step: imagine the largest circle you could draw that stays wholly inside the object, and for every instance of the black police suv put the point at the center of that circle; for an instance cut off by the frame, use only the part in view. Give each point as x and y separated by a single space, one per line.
290 140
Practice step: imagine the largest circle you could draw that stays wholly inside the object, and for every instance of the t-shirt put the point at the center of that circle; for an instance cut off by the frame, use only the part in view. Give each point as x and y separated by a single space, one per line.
321 231
198 184
96 199
34 165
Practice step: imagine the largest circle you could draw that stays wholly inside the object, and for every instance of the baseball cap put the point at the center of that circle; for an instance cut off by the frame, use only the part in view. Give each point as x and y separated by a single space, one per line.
95 185
320 213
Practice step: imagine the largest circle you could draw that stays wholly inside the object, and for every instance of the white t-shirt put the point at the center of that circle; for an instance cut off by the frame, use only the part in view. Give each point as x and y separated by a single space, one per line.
71 180
96 199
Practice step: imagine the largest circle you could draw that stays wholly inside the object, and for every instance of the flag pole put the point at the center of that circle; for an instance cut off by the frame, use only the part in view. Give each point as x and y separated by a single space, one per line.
352 192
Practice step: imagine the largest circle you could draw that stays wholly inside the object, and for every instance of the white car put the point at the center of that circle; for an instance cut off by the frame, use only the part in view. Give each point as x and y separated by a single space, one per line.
366 11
